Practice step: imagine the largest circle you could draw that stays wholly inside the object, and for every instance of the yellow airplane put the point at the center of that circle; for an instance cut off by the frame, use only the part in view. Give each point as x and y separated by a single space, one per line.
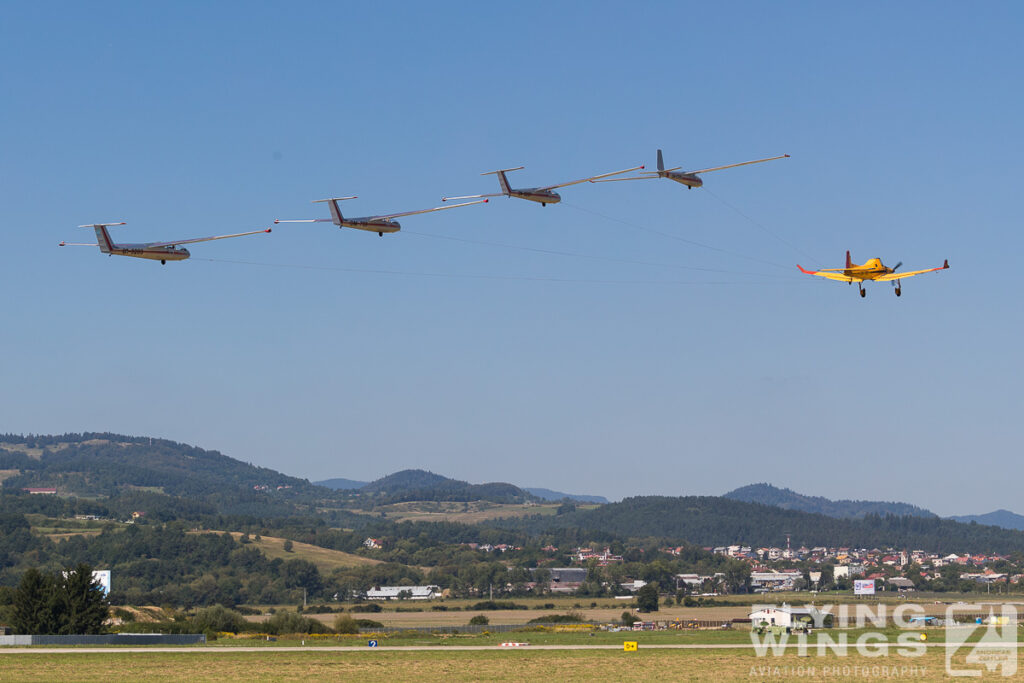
871 270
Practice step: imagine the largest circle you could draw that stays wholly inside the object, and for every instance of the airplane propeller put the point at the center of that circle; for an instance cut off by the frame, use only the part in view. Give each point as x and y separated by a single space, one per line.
896 267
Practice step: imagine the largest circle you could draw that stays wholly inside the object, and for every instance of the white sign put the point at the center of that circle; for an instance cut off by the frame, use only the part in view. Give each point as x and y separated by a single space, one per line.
102 577
864 587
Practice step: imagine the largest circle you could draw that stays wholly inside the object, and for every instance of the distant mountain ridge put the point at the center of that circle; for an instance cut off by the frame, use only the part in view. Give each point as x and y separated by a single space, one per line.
409 482
718 521
341 484
1001 518
410 485
105 464
766 494
164 478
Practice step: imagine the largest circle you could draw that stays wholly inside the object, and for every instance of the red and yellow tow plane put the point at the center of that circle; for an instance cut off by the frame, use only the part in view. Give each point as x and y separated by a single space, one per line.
872 269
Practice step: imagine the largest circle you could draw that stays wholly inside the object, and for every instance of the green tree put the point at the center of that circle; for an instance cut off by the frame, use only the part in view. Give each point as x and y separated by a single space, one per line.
346 624
218 618
72 603
34 604
479 620
85 605
647 598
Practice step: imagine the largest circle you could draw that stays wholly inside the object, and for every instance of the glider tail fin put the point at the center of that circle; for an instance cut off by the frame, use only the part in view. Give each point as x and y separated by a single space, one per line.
332 205
103 240
336 216
503 182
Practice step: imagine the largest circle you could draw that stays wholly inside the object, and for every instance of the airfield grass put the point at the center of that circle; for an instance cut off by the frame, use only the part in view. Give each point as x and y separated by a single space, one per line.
484 665
417 614
581 635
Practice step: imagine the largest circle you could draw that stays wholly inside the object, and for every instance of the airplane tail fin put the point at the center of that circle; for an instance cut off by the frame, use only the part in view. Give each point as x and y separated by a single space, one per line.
661 162
502 180
849 263
332 204
106 244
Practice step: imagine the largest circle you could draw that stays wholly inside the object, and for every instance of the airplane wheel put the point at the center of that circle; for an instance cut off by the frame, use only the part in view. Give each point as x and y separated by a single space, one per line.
863 293
163 262
380 234
899 292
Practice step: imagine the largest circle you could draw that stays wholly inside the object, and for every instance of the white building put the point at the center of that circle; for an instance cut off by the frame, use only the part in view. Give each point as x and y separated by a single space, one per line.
785 616
399 592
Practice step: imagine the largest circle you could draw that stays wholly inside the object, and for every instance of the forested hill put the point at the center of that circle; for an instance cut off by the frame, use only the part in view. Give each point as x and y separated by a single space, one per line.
766 494
100 464
423 485
710 521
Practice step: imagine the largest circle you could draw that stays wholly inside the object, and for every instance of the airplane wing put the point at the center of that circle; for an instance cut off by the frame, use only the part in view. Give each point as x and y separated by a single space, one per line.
389 216
744 163
912 273
830 274
471 196
592 179
205 239
636 177
77 244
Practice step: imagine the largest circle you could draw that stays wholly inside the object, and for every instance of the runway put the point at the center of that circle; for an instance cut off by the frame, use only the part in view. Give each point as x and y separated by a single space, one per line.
213 650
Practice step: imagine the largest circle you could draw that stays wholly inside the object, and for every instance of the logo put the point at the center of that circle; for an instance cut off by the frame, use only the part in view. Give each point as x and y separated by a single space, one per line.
981 639
372 643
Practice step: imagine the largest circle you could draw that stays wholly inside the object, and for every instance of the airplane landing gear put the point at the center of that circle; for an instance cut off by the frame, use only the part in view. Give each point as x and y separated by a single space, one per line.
863 293
163 262
380 234
543 203
899 291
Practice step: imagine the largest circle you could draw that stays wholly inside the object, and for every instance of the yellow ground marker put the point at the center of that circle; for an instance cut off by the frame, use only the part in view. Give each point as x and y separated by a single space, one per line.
629 646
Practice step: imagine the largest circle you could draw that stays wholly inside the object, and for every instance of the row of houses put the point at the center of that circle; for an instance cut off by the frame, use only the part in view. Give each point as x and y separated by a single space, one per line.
864 557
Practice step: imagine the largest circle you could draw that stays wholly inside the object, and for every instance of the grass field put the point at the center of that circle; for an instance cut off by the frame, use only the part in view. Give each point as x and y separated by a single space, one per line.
324 558
485 665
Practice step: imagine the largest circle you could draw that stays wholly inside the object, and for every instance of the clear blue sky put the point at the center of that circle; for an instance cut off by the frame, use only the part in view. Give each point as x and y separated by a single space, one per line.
639 338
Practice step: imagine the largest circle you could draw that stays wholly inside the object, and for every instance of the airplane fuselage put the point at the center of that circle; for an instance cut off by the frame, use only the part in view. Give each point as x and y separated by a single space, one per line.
534 194
149 252
378 225
688 179
869 270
